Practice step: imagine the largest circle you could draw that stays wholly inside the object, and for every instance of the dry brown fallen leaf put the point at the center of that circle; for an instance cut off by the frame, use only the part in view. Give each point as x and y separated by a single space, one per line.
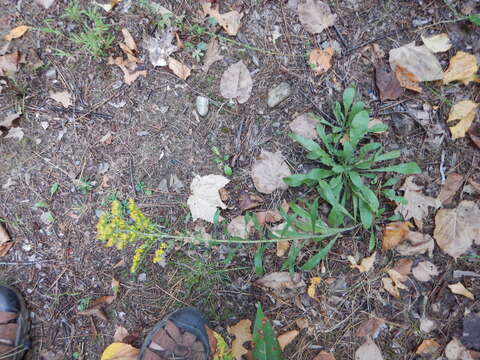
242 334
4 237
370 327
416 244
424 271
463 67
236 82
407 79
305 125
205 199
456 351
120 334
268 217
437 43
428 347
365 265
281 280
394 234
212 55
449 188
63 97
129 47
160 49
418 60
249 201
315 16
9 63
368 351
387 83
464 111
320 61
179 69
323 355
230 21
5 248
394 283
475 185
287 338
418 204
128 68
312 288
237 227
474 134
457 229
268 172
403 267
459 289
17 32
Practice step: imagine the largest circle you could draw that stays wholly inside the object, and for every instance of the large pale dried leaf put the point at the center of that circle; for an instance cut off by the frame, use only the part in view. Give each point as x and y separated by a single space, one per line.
159 50
456 351
120 334
281 280
428 347
239 228
457 229
424 271
464 111
450 187
242 334
365 265
179 69
305 125
407 79
287 338
394 234
45 3
368 351
128 68
120 351
320 60
315 16
418 60
212 55
205 199
418 204
459 289
63 97
4 237
416 244
268 172
229 21
323 355
387 83
9 63
370 327
312 288
4 248
17 32
437 43
463 67
236 82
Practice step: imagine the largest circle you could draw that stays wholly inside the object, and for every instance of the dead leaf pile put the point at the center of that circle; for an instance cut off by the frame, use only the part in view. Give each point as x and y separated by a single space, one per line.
205 199
130 64
236 83
457 229
230 21
315 16
268 172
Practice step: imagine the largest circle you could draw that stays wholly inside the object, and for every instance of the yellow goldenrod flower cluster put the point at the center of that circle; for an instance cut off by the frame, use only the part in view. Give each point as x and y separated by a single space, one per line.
115 230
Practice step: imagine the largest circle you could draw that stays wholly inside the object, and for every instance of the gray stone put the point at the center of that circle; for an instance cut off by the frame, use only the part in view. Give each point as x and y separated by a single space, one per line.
51 74
142 277
202 105
278 94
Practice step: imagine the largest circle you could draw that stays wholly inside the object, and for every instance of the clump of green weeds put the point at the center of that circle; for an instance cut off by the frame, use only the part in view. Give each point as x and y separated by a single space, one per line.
351 163
222 160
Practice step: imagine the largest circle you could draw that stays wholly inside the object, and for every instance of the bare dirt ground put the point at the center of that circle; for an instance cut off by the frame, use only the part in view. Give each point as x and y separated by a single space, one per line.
156 136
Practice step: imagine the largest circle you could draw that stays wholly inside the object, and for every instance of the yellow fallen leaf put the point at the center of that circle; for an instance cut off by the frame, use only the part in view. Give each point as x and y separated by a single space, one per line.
17 32
463 67
321 60
428 347
120 351
437 43
365 265
464 111
287 338
282 247
459 289
242 334
314 281
179 69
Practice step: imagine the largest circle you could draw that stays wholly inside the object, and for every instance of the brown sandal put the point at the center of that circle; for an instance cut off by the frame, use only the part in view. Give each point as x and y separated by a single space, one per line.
14 326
